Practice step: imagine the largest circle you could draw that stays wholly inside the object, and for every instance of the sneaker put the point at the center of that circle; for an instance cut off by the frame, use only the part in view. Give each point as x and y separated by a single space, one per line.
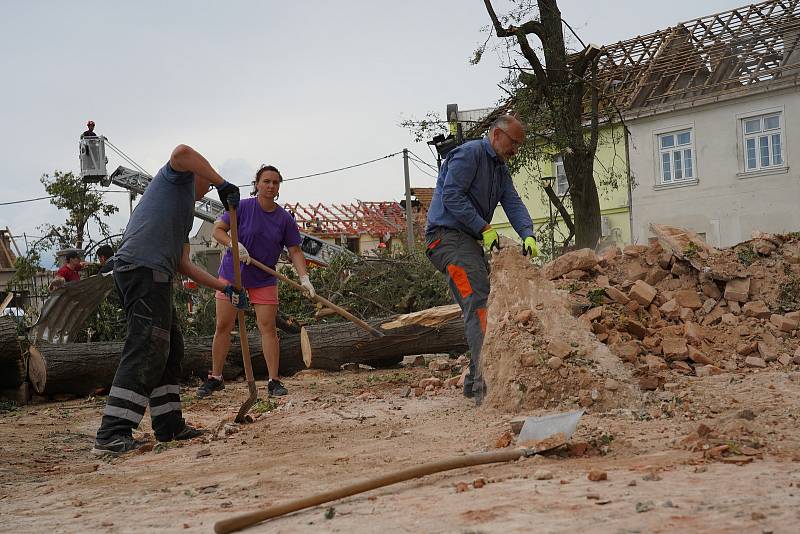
210 386
189 432
114 446
275 388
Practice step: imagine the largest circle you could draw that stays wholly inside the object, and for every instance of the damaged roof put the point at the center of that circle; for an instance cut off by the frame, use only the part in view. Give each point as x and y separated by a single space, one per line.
373 218
720 54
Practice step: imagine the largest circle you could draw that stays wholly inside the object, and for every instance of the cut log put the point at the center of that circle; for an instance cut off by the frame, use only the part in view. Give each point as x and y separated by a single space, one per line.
12 365
429 317
331 345
80 368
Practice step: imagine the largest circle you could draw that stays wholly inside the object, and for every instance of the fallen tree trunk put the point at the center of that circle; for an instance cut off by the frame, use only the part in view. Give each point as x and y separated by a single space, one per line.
331 345
12 365
80 368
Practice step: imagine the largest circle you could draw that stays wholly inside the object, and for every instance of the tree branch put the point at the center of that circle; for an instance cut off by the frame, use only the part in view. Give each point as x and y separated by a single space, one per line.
561 209
587 58
533 59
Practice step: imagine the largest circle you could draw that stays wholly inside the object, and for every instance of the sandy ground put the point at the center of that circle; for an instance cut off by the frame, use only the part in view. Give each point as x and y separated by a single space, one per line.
335 428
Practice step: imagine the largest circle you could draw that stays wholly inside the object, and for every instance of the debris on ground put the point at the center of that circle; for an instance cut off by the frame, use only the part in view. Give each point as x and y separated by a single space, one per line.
676 307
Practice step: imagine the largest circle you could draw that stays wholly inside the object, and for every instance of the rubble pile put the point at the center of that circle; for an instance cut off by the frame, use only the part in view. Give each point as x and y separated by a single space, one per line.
681 306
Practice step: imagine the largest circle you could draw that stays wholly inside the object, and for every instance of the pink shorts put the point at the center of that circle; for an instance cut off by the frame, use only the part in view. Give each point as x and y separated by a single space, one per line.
257 295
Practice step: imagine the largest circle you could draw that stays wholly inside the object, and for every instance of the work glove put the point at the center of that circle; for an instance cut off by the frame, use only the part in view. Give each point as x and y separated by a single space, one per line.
529 247
228 195
491 239
238 297
305 281
244 256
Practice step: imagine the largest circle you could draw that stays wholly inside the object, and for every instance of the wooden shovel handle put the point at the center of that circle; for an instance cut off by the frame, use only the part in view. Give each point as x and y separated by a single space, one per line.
237 281
325 302
245 520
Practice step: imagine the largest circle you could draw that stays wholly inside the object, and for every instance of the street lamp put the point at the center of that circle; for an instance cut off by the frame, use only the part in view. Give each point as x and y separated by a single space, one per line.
548 183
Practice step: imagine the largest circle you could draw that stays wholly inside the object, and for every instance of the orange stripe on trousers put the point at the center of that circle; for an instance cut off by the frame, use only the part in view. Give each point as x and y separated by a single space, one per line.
459 276
482 317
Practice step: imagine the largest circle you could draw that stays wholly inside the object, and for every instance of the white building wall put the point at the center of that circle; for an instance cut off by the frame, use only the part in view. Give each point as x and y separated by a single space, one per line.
723 202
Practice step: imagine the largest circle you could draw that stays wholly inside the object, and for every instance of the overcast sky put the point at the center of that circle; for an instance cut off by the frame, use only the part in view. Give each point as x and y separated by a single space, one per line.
306 85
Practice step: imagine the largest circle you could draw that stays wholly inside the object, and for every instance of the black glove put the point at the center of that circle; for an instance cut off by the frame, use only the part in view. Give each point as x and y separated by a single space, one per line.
228 195
238 297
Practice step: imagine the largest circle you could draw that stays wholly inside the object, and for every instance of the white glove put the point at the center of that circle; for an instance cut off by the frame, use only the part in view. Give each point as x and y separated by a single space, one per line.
305 281
244 256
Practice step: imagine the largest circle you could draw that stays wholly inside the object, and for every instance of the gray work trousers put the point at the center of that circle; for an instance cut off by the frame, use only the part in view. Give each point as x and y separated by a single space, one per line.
461 259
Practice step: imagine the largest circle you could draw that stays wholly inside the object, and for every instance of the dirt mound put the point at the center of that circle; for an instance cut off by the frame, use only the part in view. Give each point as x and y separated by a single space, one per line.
537 354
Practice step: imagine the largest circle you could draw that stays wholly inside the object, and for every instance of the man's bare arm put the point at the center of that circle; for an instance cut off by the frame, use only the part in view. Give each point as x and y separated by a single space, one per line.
198 274
186 159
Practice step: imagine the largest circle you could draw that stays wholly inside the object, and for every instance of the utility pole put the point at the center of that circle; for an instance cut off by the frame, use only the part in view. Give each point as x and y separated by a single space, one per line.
409 222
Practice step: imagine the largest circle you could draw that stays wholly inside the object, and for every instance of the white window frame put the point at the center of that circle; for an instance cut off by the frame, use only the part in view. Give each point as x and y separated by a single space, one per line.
677 175
562 185
752 143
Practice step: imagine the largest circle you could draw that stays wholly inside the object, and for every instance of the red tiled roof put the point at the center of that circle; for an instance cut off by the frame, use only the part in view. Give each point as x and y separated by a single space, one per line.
373 218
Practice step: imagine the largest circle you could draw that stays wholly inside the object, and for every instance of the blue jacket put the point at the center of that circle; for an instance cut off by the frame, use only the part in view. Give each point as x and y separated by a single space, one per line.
471 182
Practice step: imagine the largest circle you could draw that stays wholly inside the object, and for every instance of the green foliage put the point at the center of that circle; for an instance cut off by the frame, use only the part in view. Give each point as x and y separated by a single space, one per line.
746 255
8 406
84 204
264 406
370 287
691 250
426 128
596 296
789 295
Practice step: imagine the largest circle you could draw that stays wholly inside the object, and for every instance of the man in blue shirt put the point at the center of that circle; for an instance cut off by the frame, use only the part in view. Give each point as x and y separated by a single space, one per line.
472 181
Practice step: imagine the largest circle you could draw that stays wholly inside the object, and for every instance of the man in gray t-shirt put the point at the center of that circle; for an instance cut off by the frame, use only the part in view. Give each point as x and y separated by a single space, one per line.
154 249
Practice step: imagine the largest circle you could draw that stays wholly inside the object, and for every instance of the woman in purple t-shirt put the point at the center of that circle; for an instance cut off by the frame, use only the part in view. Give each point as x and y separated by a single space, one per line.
264 229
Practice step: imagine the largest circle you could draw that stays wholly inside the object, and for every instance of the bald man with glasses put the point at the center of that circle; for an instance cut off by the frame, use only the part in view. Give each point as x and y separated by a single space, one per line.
472 181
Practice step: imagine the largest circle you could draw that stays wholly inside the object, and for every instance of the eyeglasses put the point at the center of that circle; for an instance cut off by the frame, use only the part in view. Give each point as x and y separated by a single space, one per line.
514 142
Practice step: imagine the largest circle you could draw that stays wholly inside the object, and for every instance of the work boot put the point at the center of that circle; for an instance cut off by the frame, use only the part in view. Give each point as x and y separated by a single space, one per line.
114 446
275 388
188 432
210 386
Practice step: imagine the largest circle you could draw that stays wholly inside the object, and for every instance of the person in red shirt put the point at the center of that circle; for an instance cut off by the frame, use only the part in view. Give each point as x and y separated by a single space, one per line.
70 270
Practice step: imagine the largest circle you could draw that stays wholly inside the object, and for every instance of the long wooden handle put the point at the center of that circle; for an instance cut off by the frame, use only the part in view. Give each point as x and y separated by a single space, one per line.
245 520
325 302
237 281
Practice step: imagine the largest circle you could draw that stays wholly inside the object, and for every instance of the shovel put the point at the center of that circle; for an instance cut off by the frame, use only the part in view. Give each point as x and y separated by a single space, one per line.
325 302
552 431
248 367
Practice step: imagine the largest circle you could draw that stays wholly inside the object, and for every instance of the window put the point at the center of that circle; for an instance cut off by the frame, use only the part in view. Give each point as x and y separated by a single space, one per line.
676 162
562 185
763 142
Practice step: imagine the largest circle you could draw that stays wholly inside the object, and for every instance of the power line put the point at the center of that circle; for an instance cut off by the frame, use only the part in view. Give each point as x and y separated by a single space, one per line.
53 196
420 169
25 200
339 169
423 161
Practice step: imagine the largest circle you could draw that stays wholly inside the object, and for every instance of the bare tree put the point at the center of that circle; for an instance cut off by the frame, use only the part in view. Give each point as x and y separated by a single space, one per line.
558 95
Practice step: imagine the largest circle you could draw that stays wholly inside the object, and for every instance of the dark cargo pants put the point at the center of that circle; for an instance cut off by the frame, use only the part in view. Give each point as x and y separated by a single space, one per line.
461 259
150 365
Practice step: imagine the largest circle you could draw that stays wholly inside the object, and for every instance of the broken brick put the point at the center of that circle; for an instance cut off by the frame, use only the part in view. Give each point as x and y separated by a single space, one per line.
674 348
757 309
754 361
737 289
559 349
616 295
642 292
687 298
698 357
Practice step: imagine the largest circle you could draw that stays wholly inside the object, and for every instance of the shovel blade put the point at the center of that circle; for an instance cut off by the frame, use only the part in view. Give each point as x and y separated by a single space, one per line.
542 428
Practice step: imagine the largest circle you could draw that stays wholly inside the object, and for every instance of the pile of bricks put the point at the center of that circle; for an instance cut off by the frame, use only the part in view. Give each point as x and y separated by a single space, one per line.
665 312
